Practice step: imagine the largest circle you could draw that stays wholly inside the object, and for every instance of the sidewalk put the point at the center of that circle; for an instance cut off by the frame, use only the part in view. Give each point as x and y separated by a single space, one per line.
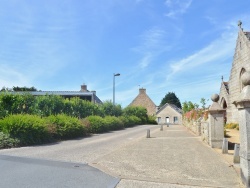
172 158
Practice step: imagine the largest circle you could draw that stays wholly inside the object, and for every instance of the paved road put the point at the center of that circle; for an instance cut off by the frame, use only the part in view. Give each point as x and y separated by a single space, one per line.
37 173
172 158
64 164
83 150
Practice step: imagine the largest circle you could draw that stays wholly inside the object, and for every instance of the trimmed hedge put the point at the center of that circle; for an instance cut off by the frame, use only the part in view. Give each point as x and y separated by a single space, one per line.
65 127
113 123
152 120
97 124
7 142
29 129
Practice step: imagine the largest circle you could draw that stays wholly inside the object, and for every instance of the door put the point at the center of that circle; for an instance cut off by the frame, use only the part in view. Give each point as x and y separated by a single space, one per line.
167 119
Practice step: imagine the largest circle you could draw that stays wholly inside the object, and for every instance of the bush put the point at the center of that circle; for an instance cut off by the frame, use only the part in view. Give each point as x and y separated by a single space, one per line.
137 111
130 121
134 120
113 123
151 120
232 126
7 142
97 124
65 127
108 109
29 129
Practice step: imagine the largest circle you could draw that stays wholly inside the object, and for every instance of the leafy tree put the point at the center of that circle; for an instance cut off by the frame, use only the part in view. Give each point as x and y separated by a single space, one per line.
188 106
111 110
6 89
203 103
171 98
24 88
137 111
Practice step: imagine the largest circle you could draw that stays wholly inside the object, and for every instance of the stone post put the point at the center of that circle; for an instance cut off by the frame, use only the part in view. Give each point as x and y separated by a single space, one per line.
161 128
243 105
198 127
236 153
225 145
148 133
216 123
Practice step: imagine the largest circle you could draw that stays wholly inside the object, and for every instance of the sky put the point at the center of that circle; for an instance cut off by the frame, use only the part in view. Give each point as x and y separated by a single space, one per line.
180 46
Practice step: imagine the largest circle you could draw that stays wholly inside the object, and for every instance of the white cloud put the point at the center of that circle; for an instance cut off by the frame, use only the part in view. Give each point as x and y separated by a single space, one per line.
177 7
153 44
215 52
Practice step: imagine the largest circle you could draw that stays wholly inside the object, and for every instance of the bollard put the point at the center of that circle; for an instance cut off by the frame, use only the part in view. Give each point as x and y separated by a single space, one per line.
167 124
236 153
225 146
148 133
161 128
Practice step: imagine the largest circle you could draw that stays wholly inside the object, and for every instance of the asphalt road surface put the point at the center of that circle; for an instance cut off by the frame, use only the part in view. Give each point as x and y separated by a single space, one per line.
65 164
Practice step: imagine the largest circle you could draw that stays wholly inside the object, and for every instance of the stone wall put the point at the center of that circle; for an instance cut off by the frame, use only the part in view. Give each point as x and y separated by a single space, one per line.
241 63
143 100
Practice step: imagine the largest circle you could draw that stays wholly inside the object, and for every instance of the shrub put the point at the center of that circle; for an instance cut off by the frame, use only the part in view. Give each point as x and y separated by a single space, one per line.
130 121
7 142
135 120
65 127
113 123
97 124
137 111
151 120
232 126
29 129
108 109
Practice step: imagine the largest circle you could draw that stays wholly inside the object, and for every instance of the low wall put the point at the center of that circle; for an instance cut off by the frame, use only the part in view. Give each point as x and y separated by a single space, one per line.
200 127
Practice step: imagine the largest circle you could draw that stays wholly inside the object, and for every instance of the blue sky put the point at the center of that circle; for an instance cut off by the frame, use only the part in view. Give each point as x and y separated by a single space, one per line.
181 46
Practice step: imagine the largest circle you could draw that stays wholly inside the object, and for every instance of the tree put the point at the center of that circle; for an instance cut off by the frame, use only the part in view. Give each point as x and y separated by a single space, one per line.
203 103
171 98
188 106
24 88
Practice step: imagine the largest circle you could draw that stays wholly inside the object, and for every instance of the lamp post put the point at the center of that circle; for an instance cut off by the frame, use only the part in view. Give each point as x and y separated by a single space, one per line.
117 74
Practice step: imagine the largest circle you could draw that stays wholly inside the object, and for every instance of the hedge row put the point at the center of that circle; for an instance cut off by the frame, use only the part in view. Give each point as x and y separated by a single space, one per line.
52 105
24 130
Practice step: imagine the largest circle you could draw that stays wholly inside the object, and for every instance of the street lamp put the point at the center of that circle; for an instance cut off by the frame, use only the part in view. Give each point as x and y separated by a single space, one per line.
117 74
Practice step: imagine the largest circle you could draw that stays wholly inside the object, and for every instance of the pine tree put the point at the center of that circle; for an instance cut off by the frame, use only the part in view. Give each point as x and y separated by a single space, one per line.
171 98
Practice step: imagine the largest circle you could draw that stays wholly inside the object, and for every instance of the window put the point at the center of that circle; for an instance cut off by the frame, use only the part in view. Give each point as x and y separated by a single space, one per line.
175 119
159 119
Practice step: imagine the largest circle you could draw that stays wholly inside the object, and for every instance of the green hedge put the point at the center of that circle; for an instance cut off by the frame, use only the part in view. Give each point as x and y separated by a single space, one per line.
152 120
113 123
97 124
7 142
65 127
29 129
137 111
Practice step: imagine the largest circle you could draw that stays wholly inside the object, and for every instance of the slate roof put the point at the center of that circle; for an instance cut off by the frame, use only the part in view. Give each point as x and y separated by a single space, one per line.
172 106
61 93
226 86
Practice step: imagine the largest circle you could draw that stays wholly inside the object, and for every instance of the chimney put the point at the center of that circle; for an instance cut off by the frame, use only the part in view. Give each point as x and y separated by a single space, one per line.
84 88
142 91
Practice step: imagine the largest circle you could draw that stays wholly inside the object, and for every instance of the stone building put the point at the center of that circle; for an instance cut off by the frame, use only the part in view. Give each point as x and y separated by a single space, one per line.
143 100
169 114
229 91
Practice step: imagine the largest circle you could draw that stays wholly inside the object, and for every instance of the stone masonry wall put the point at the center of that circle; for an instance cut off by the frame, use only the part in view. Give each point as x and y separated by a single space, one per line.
171 113
241 62
143 100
